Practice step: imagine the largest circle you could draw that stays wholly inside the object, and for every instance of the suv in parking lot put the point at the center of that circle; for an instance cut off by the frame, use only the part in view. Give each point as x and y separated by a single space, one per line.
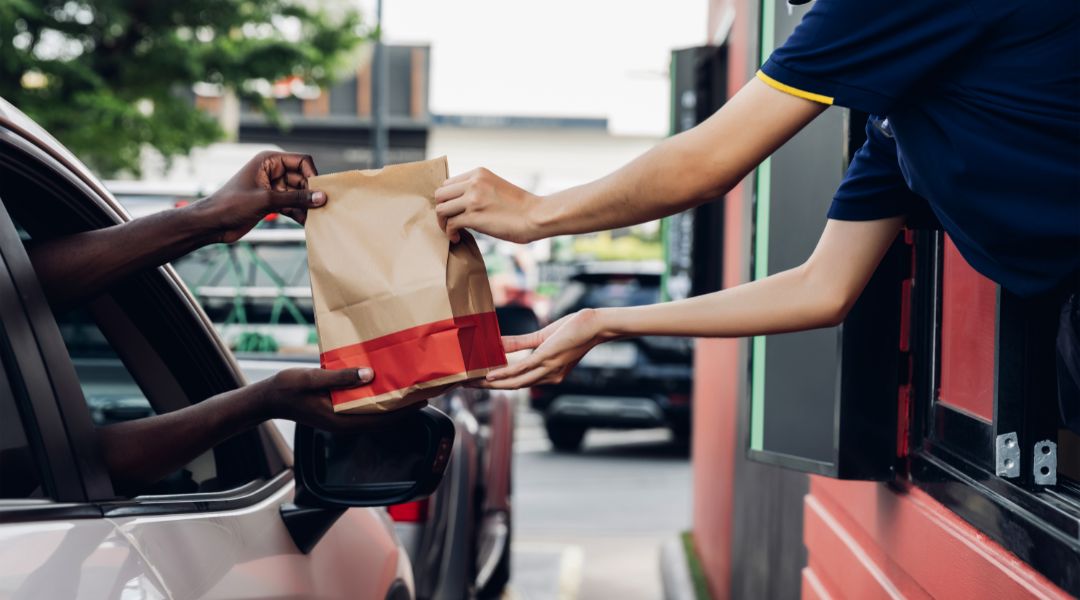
643 382
215 528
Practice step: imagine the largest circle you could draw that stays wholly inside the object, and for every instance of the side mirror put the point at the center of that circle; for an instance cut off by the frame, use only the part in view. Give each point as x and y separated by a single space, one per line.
516 320
401 462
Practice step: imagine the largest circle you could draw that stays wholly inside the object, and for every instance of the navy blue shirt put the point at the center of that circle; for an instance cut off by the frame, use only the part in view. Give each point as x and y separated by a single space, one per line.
980 101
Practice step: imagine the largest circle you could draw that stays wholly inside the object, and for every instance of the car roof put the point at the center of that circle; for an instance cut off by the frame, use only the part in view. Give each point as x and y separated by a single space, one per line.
16 121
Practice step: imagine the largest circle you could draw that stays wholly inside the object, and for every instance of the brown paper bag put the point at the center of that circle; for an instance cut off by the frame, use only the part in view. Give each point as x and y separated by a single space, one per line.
392 293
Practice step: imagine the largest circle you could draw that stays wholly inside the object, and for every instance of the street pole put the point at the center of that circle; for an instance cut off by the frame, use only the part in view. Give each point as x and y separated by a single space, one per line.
379 97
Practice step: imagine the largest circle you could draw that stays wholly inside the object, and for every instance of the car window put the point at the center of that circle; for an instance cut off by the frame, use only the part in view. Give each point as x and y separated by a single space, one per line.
162 340
113 395
19 469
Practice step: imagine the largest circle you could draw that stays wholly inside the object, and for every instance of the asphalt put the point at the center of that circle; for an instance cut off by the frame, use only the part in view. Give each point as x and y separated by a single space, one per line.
589 526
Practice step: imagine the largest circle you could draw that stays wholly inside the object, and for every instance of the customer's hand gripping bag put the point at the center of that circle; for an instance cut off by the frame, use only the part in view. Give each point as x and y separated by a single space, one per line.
392 293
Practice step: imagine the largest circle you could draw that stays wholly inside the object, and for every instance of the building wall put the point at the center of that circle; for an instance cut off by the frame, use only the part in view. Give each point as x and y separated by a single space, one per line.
718 376
870 540
542 160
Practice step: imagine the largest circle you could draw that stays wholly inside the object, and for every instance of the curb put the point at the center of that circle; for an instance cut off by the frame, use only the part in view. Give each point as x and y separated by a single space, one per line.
675 571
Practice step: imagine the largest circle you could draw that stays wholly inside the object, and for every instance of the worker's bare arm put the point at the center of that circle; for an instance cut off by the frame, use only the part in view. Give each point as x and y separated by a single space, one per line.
817 293
683 171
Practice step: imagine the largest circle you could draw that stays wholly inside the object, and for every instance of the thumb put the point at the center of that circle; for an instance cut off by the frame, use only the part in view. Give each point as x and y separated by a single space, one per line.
322 379
279 201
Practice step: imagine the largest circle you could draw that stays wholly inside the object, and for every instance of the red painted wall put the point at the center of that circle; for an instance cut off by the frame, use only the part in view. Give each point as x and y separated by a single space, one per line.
865 540
717 373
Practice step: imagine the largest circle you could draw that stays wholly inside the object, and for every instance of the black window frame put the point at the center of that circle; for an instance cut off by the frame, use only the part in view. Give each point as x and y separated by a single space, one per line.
31 398
953 454
84 489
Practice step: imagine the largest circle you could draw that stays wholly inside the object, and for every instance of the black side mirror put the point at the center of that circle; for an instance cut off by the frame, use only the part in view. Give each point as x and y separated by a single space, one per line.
402 462
516 320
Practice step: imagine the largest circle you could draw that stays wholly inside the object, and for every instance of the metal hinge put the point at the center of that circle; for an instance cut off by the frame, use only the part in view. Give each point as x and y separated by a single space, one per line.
1044 466
1007 455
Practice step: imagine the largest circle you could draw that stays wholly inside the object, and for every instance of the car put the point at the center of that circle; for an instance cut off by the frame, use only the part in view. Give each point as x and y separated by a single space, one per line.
240 520
257 294
639 383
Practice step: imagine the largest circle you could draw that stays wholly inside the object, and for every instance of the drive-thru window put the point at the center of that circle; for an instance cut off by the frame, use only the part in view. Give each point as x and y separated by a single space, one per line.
936 399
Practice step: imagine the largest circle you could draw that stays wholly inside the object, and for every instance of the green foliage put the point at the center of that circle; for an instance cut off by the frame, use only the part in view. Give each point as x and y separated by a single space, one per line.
110 76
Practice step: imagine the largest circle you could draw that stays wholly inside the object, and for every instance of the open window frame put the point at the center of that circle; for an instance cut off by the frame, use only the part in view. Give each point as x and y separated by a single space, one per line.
953 454
51 196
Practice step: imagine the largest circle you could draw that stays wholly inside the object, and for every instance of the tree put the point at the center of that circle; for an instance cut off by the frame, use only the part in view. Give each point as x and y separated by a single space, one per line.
108 77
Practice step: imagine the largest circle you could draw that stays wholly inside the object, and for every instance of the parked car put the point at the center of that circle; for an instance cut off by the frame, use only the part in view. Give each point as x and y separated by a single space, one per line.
638 383
238 521
257 294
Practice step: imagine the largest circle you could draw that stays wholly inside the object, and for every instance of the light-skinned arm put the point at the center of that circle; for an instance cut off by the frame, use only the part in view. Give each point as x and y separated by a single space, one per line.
681 172
817 293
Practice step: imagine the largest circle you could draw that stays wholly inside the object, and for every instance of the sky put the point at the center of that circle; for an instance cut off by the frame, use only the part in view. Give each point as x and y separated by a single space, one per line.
557 58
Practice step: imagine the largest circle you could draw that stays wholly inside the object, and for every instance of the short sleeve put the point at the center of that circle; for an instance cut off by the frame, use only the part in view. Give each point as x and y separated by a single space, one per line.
874 186
868 54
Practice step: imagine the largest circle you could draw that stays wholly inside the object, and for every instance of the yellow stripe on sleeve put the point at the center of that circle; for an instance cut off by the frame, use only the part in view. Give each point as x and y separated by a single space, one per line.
787 89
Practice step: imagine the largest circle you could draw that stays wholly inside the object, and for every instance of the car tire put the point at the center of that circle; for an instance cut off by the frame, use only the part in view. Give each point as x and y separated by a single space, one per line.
565 437
500 578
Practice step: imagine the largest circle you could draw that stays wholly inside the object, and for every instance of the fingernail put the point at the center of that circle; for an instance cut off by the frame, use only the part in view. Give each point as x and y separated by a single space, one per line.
318 198
365 374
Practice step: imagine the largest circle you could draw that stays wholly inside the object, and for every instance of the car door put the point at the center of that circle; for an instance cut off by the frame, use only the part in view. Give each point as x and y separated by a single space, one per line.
54 543
211 530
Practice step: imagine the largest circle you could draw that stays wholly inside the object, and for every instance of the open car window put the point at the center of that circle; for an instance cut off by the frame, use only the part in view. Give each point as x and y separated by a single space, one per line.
113 396
143 348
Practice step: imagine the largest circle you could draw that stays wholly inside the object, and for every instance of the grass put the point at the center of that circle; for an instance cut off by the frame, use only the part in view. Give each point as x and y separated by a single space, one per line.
697 574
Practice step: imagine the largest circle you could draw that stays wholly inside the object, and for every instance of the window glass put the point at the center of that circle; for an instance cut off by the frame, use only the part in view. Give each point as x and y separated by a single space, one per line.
19 474
113 395
968 327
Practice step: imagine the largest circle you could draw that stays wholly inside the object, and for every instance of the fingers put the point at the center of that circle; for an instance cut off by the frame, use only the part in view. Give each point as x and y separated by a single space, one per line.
282 170
298 199
298 163
532 362
316 380
449 191
295 181
453 229
450 209
528 341
296 214
536 376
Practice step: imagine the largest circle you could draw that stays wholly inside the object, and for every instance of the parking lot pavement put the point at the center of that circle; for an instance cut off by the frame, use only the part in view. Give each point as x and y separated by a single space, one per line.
590 525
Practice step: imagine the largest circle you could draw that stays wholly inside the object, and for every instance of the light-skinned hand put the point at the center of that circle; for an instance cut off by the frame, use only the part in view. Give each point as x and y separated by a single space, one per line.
483 201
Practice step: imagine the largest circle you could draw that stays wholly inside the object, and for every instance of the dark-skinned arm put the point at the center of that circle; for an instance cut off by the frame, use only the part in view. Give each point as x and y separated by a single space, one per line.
141 452
78 267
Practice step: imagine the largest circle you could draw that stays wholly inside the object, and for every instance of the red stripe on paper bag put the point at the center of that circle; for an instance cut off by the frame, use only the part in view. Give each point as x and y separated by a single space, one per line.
420 354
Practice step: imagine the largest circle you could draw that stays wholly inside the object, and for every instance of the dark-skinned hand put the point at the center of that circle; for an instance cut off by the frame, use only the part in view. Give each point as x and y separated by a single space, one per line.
271 182
303 395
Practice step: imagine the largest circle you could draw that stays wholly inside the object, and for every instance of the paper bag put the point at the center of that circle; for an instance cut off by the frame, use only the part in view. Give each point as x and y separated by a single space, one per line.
392 293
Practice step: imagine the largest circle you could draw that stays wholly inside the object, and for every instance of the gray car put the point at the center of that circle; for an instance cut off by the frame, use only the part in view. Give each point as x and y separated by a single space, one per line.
226 525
